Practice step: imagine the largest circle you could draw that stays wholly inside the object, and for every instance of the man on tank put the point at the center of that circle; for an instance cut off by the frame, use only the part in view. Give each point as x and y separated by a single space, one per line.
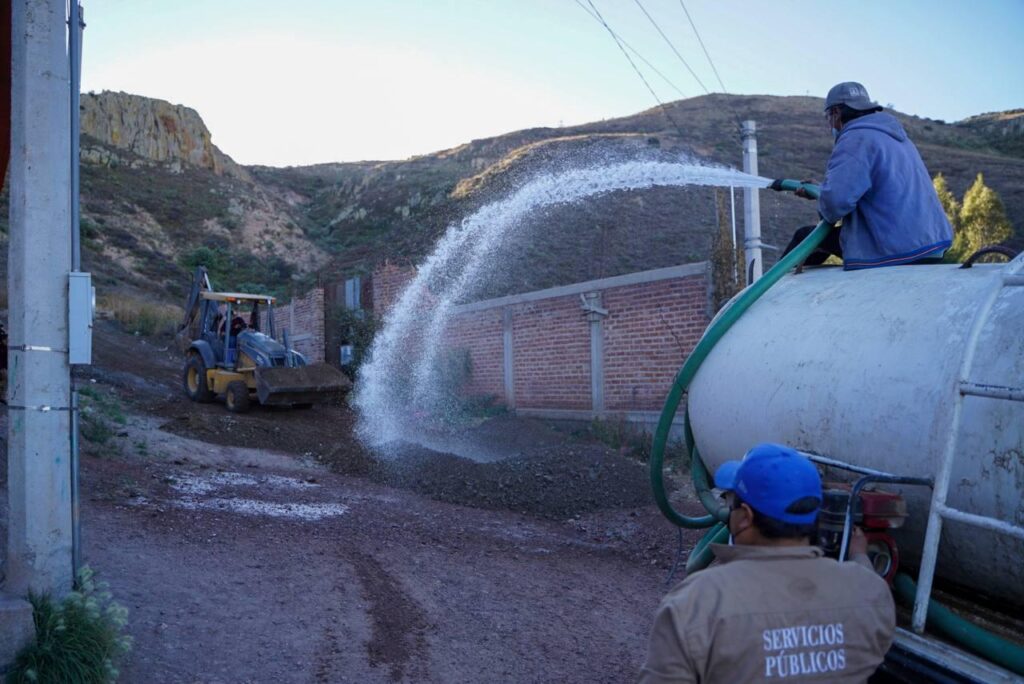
878 186
774 607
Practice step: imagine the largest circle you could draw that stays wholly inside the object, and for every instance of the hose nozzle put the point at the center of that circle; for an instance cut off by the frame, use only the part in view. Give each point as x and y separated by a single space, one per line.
790 185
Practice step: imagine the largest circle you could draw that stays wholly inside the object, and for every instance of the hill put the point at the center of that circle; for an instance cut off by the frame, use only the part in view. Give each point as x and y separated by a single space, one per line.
158 195
367 211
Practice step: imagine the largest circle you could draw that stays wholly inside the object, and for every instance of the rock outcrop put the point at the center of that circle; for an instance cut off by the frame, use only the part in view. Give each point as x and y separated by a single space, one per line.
152 129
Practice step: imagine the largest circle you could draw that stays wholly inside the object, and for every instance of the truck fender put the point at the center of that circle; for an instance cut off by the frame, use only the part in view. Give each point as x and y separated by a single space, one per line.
202 347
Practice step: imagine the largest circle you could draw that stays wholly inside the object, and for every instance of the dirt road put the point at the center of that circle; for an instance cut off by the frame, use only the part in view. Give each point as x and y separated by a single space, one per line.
270 547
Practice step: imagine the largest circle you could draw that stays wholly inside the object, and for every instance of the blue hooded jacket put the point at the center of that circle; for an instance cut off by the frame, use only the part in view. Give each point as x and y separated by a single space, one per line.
878 185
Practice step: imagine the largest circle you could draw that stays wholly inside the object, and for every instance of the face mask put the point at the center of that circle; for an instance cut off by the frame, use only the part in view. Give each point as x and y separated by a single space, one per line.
835 134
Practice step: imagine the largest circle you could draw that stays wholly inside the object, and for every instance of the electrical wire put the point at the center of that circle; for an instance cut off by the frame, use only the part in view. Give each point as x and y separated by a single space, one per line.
634 51
670 44
693 25
639 73
702 47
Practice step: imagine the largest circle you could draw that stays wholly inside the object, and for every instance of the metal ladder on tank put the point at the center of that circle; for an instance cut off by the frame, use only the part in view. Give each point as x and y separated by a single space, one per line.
940 510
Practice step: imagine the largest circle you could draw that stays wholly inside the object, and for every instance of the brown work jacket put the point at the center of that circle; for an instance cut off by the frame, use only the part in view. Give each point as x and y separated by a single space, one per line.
772 613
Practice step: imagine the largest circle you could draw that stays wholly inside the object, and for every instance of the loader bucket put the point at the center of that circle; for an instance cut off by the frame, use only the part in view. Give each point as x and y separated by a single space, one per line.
312 384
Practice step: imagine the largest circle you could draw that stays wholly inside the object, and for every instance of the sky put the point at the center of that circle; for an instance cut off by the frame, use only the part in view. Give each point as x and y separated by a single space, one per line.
311 81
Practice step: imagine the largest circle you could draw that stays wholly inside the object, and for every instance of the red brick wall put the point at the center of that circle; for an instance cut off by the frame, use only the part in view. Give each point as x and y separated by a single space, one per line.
648 333
551 354
387 282
481 335
304 320
650 330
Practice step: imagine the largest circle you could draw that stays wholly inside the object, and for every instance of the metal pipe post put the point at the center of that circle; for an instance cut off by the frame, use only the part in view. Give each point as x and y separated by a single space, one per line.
39 545
751 206
735 247
75 26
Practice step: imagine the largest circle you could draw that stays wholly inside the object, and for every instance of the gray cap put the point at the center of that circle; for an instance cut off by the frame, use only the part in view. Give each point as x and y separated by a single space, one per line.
851 94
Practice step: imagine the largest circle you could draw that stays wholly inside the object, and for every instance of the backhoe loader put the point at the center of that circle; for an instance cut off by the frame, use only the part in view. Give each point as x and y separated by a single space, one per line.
229 354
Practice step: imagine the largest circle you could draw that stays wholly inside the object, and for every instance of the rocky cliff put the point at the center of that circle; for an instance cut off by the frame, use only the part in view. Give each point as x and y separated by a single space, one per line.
153 130
158 197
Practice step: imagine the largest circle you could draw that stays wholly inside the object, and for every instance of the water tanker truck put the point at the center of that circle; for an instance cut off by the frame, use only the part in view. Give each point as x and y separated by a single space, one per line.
906 386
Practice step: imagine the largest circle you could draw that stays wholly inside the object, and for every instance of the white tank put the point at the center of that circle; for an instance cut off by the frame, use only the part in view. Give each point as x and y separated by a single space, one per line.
863 366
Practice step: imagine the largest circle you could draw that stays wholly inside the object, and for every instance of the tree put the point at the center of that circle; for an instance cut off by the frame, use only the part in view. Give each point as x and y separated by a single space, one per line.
727 262
959 251
983 217
979 221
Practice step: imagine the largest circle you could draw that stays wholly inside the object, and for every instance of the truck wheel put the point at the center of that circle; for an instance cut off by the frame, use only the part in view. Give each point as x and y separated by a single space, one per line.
194 380
237 397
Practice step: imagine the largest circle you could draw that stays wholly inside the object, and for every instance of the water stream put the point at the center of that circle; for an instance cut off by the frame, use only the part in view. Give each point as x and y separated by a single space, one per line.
404 392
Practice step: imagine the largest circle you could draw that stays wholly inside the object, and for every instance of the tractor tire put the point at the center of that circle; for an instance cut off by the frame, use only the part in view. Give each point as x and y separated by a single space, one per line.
237 397
194 380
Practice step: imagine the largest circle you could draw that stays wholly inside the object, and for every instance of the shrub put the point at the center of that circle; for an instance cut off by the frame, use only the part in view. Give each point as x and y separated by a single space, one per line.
633 440
141 317
101 413
356 327
232 270
78 639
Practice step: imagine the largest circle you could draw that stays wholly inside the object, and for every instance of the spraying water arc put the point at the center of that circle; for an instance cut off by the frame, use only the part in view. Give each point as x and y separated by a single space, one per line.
400 392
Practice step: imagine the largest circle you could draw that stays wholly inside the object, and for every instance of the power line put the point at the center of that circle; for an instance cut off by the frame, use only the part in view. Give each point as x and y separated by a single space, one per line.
706 54
636 69
634 51
732 106
681 59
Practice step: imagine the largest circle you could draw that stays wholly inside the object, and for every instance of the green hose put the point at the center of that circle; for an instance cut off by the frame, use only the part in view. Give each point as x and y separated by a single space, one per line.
701 556
698 471
990 646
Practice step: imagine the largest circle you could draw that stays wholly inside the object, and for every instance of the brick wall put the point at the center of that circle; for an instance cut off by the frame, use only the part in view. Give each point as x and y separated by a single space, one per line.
654 320
480 335
650 330
304 319
387 282
551 354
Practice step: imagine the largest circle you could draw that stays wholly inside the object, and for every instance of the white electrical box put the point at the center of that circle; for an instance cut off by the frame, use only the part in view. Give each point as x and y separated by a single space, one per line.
81 303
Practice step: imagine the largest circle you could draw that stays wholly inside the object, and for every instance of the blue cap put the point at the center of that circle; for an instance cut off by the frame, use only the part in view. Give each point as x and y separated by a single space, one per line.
770 478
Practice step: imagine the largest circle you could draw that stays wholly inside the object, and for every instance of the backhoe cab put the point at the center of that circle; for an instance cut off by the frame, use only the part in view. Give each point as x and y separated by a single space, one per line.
227 353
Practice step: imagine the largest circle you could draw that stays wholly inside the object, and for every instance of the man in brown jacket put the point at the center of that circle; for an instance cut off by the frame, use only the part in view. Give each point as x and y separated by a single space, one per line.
774 608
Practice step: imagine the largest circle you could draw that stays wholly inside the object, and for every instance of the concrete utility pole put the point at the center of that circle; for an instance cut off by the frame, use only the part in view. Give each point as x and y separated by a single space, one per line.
39 259
751 206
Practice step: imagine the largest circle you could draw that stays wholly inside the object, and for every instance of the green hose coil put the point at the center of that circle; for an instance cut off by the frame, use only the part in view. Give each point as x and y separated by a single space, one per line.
721 325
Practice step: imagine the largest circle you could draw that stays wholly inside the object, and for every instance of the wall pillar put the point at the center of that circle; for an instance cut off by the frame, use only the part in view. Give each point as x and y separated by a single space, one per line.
591 304
508 358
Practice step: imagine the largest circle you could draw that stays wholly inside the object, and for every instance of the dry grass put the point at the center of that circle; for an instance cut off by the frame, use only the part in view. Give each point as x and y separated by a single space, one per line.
141 317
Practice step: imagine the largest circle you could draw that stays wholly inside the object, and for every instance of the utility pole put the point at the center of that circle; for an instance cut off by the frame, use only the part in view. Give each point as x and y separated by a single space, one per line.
39 538
751 206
